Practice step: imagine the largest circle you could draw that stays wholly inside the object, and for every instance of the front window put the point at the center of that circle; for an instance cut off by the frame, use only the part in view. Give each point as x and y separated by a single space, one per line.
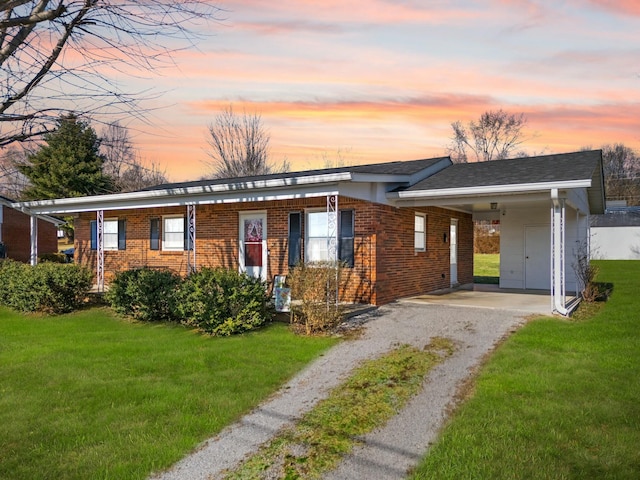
173 233
110 234
317 237
420 232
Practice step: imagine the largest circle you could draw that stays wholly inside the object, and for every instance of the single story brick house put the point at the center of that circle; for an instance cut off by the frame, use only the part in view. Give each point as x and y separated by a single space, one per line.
402 228
17 232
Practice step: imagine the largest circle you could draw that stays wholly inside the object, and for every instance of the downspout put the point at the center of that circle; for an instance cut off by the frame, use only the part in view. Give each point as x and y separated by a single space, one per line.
33 258
558 261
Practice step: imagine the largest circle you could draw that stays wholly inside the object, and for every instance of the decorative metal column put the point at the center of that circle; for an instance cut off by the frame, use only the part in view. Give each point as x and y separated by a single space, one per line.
34 240
332 243
191 238
558 294
100 249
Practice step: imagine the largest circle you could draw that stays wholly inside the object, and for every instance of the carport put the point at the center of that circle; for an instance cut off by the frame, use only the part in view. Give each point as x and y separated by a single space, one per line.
543 205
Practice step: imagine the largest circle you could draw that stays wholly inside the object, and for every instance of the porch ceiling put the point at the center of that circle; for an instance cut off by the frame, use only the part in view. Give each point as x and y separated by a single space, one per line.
482 204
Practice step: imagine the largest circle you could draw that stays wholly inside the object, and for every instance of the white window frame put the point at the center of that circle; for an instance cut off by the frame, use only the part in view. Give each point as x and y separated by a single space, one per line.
110 239
165 247
417 234
307 243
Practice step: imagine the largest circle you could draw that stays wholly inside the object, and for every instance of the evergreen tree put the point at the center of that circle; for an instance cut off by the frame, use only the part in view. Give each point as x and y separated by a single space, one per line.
68 165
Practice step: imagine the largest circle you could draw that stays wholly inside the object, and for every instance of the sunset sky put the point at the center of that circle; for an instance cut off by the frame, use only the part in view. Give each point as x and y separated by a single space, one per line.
382 80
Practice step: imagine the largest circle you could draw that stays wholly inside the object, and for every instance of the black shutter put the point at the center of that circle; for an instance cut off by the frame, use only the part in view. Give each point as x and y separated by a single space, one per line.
347 234
154 234
122 234
295 238
94 235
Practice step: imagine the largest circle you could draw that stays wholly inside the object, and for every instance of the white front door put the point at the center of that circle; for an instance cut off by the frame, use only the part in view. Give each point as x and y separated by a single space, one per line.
537 257
253 244
453 251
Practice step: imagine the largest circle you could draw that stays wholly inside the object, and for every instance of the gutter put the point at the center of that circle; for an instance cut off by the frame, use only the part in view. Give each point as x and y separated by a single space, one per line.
488 190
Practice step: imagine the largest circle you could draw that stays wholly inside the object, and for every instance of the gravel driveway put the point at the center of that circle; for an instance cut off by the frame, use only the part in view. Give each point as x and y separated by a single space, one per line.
389 452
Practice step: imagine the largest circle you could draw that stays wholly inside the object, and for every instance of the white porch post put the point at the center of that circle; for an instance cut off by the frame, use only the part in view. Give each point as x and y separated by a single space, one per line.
332 237
100 249
558 294
34 240
191 238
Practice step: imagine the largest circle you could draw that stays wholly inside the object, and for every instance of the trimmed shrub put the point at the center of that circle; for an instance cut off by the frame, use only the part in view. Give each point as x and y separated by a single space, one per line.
219 301
313 294
46 287
144 294
53 258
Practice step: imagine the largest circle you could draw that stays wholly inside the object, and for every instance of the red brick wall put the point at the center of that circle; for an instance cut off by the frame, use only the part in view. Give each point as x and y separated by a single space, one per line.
385 267
16 235
402 271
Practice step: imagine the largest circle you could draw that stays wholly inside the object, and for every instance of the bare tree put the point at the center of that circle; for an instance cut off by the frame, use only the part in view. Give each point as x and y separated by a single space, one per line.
122 162
239 146
12 182
621 167
340 159
496 135
57 56
137 176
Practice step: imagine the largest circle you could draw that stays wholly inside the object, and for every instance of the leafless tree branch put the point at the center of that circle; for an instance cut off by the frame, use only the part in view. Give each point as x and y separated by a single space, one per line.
239 146
496 135
57 56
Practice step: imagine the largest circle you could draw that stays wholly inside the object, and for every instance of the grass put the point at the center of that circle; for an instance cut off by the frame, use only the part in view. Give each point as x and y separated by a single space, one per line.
88 395
558 400
375 392
486 268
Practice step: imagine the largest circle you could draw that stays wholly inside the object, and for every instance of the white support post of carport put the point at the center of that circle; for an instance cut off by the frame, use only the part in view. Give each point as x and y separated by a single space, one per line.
100 249
558 293
332 239
34 240
191 238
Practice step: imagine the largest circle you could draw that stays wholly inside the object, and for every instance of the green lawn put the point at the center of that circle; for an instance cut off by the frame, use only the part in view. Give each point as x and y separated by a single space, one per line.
559 400
486 268
88 395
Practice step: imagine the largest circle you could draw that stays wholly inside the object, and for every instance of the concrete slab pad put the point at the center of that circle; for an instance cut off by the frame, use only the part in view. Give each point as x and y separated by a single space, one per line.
489 296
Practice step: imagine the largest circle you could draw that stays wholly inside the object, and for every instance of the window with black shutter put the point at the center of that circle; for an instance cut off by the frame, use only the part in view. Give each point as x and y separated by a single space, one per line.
94 235
154 234
347 234
122 234
295 238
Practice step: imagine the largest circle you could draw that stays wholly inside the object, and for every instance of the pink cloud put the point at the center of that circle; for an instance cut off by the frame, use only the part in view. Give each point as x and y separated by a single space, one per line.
630 7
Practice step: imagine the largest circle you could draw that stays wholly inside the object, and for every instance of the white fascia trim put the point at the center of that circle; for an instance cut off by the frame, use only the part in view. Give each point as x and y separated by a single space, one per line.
488 190
102 201
178 201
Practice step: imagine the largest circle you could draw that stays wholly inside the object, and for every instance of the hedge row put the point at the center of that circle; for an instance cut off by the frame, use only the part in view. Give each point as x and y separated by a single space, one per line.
214 300
45 287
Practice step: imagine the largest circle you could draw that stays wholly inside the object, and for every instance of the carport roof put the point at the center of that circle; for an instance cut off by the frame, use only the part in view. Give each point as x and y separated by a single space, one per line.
518 175
542 169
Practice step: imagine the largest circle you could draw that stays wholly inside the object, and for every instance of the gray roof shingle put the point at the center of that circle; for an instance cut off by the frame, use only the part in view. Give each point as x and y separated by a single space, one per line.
408 167
541 169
